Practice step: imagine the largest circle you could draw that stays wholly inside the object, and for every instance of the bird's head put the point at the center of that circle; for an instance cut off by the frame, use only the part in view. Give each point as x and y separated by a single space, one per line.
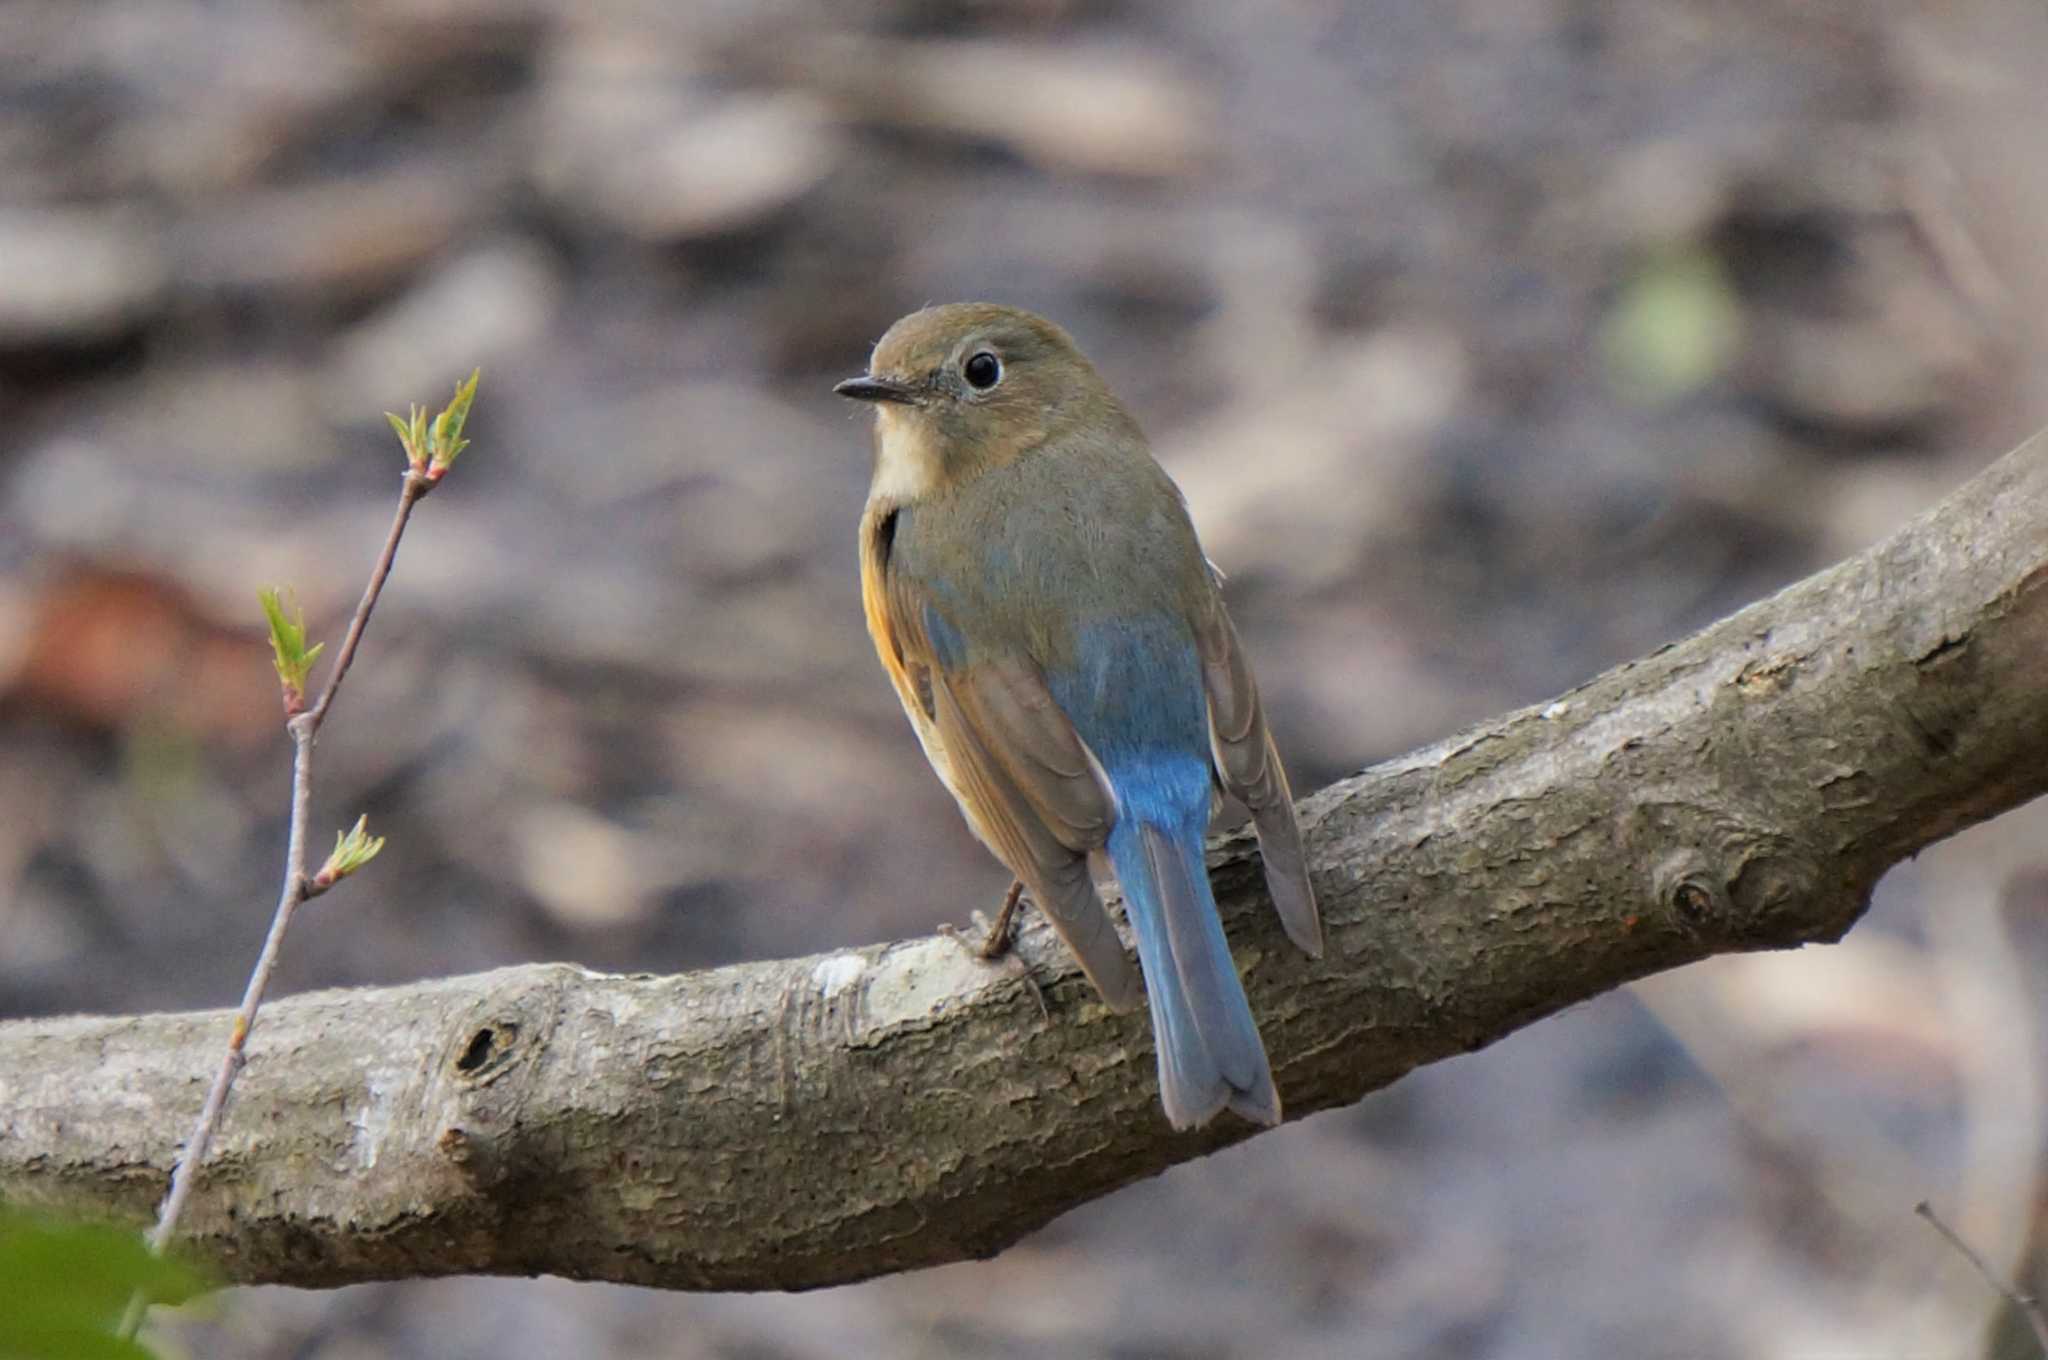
967 386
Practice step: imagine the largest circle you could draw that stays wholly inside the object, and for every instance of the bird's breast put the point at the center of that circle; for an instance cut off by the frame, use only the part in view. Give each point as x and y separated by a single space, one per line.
908 667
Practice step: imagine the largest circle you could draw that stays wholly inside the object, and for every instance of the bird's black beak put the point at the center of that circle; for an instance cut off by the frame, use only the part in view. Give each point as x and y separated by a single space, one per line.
870 388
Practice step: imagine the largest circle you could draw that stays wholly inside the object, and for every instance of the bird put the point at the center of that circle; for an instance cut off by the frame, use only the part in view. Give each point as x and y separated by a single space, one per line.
1036 592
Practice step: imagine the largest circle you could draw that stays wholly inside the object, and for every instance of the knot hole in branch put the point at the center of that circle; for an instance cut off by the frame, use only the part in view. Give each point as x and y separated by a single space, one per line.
490 1047
1743 897
1690 894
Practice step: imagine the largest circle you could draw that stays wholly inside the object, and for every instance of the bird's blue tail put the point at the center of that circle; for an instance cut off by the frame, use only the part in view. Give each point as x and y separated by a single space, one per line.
1210 1055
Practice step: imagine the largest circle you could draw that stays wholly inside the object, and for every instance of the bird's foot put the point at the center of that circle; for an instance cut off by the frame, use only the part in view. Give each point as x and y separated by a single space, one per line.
995 939
995 942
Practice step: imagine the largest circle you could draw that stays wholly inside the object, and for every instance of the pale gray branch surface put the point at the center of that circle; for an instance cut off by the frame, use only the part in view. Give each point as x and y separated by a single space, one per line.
814 1121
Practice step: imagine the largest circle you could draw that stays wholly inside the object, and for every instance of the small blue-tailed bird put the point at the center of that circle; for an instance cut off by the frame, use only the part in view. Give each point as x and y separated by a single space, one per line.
1036 593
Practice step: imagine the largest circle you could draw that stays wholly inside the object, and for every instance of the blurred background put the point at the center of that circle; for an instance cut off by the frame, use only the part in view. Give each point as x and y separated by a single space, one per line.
1493 341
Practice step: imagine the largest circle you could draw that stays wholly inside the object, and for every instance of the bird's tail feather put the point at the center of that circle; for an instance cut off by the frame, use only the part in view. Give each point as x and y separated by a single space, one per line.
1210 1055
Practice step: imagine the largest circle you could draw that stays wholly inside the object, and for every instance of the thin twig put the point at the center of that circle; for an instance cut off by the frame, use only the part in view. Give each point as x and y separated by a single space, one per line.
305 730
417 484
2029 1306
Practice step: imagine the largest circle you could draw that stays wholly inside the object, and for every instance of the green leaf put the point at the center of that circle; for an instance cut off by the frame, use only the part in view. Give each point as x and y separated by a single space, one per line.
352 850
66 1284
412 435
288 649
447 441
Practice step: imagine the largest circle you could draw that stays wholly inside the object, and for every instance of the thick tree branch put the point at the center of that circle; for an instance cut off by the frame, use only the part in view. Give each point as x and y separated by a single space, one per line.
813 1121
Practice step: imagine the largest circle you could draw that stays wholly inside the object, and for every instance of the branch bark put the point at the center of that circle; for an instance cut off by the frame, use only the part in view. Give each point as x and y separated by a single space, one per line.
814 1121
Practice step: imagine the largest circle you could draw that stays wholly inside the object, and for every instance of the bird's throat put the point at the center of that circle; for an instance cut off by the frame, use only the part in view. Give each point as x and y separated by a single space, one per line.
908 466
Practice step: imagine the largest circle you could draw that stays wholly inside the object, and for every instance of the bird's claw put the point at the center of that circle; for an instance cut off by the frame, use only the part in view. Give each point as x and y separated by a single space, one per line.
995 942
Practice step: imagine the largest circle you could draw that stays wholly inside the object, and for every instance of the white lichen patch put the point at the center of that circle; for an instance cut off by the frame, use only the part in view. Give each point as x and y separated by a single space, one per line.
837 973
911 983
371 1124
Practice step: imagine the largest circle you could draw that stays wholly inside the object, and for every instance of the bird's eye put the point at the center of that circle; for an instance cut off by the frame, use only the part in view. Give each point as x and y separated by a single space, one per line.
982 370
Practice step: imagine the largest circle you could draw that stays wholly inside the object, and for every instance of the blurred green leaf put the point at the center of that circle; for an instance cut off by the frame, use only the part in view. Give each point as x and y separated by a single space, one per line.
63 1287
1673 329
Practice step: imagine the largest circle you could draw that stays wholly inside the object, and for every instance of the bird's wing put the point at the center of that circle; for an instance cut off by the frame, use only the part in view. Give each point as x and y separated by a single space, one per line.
1026 781
1248 767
